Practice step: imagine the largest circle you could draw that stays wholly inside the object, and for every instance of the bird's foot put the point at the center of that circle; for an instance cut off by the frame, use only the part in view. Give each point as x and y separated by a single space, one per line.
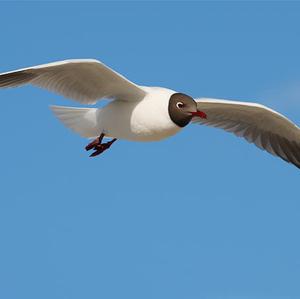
93 144
99 147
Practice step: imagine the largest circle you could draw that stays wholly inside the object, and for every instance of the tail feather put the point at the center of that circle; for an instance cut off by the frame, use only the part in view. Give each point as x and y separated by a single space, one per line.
81 120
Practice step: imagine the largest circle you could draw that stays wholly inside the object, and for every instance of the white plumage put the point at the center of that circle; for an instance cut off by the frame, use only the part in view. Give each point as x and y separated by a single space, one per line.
83 121
145 120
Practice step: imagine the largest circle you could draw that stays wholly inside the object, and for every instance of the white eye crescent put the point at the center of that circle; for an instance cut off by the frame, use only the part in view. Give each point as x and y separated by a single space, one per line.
179 105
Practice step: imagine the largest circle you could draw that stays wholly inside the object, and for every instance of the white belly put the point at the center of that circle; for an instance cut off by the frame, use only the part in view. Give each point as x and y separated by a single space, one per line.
147 120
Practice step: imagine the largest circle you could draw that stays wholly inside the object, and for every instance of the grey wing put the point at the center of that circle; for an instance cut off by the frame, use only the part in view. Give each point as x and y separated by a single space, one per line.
84 80
258 124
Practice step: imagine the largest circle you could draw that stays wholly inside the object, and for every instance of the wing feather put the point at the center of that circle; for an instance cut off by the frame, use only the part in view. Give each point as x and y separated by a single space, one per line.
84 80
258 124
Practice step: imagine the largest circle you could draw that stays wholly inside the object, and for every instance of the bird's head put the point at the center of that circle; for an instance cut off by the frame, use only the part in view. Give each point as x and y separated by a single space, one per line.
182 108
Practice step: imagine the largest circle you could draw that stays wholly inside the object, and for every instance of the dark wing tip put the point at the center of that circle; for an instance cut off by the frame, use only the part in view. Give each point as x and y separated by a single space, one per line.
14 79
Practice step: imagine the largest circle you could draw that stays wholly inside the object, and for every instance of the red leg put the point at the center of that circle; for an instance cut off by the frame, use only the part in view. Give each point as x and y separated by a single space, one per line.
98 146
94 143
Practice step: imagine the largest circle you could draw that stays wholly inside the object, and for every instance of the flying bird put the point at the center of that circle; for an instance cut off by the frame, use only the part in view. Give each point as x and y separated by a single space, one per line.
141 113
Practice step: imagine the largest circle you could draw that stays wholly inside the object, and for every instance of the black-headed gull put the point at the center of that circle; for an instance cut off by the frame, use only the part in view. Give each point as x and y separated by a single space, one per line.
142 113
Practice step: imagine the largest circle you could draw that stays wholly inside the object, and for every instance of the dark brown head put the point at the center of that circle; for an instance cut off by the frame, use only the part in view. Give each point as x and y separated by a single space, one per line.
182 108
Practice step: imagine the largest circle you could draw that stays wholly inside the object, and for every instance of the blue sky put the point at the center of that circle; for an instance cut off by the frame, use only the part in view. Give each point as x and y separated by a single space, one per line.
200 215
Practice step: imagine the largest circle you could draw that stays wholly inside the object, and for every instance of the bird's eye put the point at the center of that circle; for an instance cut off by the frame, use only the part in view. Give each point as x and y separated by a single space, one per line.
179 105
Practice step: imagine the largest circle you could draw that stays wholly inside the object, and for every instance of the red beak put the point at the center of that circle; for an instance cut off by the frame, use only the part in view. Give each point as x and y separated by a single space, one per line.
200 114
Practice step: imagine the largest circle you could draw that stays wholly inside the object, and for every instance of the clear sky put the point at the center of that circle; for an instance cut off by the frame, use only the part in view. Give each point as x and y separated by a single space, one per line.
203 214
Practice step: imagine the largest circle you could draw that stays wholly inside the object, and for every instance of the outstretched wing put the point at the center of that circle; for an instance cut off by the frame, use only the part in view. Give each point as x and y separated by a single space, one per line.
84 80
258 124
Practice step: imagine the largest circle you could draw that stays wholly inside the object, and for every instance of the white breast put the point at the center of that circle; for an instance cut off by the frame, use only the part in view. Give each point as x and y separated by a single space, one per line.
146 120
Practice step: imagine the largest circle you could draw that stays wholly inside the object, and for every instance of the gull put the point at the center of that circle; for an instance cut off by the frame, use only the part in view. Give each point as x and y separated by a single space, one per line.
141 113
